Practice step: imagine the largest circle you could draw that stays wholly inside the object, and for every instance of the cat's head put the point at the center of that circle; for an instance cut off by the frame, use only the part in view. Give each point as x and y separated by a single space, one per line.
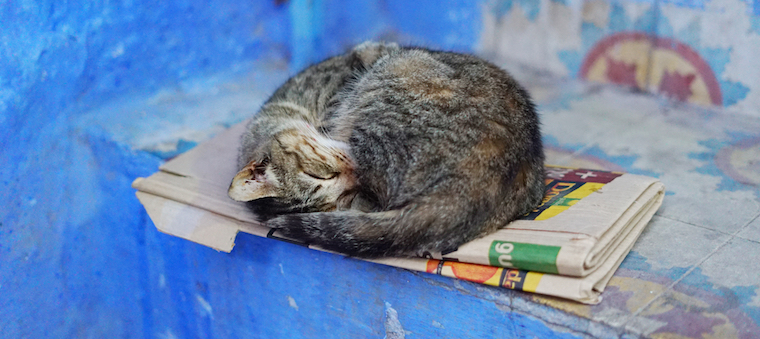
301 169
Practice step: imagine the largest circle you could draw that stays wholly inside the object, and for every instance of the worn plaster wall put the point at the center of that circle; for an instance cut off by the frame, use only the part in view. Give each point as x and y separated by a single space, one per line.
697 51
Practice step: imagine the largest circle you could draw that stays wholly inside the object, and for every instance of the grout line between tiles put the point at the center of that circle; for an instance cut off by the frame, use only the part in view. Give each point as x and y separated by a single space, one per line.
583 149
565 159
683 276
697 225
748 239
594 140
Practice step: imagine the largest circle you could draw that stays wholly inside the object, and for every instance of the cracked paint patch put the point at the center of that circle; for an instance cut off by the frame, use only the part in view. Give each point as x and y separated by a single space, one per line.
167 334
205 306
292 303
393 328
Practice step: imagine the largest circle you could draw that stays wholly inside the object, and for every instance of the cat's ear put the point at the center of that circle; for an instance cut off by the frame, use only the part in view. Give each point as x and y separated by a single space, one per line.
368 52
252 183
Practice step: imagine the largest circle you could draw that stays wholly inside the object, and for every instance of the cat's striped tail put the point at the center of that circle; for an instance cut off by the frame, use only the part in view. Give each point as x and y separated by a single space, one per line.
404 232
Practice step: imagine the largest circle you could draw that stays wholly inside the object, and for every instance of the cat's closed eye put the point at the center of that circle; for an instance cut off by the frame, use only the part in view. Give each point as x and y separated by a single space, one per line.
327 176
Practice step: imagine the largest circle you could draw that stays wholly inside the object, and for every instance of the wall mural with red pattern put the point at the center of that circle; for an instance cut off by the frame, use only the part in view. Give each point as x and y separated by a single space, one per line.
697 51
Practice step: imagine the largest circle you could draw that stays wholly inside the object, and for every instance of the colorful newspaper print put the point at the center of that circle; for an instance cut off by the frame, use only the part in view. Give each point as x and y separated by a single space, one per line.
532 257
488 275
565 186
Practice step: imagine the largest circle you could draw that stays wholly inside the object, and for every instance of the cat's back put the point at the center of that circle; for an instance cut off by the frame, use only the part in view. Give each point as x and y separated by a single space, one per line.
315 87
427 122
415 88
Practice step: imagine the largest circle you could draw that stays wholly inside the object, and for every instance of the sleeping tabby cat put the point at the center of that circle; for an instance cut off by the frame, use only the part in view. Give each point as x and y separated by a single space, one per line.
393 151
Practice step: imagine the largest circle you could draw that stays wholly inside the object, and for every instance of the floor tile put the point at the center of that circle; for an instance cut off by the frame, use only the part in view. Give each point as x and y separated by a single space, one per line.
752 231
586 118
718 299
667 244
683 157
665 251
674 142
726 213
573 158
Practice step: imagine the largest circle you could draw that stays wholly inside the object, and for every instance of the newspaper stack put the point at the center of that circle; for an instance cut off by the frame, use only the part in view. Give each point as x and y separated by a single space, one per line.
568 247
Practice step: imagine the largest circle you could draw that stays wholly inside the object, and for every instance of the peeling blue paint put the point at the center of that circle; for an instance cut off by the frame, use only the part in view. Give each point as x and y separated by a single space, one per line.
733 92
717 58
182 147
647 22
637 262
393 328
696 4
530 8
624 161
618 20
453 24
714 295
744 294
590 34
307 18
755 22
572 61
549 140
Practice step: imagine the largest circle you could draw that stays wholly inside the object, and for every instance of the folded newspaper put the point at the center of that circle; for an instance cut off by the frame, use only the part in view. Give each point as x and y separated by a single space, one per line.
568 247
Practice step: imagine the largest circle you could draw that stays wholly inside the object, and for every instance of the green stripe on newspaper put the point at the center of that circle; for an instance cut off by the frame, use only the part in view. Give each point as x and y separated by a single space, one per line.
530 257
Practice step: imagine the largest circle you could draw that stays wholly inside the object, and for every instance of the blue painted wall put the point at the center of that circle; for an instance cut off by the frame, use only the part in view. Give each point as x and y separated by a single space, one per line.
327 27
78 255
73 252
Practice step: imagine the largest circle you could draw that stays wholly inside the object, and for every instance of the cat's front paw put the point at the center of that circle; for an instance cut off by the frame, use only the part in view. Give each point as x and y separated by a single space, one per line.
292 226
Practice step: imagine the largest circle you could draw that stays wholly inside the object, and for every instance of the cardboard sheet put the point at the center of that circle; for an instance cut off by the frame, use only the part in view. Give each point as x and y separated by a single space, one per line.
568 247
